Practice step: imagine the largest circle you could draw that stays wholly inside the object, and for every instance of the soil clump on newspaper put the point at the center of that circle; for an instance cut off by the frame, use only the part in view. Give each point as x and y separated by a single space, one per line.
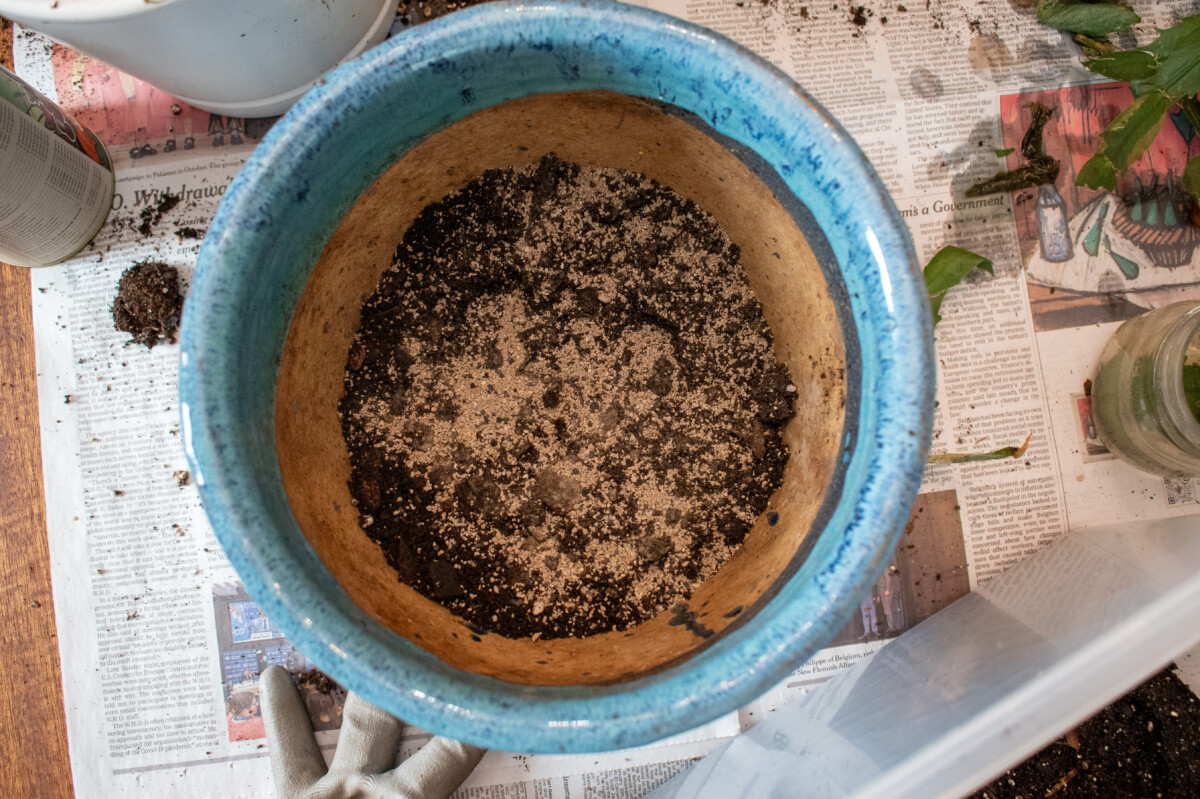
151 215
562 408
148 303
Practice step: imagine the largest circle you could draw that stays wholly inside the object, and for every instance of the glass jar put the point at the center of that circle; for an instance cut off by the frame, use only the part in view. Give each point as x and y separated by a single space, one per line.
1139 404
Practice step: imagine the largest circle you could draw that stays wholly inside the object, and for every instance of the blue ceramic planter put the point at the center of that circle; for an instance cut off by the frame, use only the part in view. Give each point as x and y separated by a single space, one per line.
300 183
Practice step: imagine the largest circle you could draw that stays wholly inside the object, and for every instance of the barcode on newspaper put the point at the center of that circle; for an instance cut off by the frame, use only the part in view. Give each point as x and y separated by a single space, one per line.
1180 491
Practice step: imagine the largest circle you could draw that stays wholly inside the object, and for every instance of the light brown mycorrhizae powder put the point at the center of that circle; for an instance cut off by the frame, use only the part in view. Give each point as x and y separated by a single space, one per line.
562 408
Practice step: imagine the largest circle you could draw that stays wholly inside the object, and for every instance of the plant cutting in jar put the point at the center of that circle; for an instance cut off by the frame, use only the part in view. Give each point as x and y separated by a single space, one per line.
1146 395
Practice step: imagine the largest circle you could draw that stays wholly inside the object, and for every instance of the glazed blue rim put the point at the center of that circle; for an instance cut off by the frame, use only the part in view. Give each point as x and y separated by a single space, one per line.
293 192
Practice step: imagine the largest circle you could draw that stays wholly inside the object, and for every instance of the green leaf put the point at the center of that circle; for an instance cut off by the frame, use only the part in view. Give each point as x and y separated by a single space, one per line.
949 266
1005 151
1164 72
935 307
1172 38
973 457
1179 73
1093 20
1191 381
1140 87
1177 50
1098 173
1191 177
1128 136
1191 109
1124 65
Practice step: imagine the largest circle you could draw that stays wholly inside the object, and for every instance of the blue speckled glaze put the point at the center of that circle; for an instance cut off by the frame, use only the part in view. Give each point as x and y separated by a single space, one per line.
299 184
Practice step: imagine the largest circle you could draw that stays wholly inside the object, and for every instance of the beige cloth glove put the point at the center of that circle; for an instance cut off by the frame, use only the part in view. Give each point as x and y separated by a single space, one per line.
366 749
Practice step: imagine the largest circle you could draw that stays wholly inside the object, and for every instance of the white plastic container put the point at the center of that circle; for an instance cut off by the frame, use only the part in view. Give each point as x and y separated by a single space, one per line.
245 58
982 684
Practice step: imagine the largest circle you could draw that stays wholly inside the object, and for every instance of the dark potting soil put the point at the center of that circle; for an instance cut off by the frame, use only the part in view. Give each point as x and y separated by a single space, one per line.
414 12
151 215
1146 744
562 408
190 233
323 698
148 303
316 680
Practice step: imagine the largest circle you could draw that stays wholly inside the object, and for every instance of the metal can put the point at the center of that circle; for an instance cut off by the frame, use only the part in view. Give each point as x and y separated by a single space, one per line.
56 178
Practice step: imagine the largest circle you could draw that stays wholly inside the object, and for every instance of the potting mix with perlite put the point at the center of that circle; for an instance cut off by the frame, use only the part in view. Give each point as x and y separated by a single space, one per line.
562 407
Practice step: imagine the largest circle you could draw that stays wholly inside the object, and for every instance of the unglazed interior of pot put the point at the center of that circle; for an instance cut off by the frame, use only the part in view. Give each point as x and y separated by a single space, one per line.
594 128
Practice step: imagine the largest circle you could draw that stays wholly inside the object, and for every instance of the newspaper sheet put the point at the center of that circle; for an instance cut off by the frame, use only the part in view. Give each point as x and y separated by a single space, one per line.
161 647
937 94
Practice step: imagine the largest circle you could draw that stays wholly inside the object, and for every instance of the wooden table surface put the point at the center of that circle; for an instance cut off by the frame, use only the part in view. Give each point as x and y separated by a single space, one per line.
33 730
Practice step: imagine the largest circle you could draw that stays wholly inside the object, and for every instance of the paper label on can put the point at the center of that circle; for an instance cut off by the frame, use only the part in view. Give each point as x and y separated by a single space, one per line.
45 112
57 183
